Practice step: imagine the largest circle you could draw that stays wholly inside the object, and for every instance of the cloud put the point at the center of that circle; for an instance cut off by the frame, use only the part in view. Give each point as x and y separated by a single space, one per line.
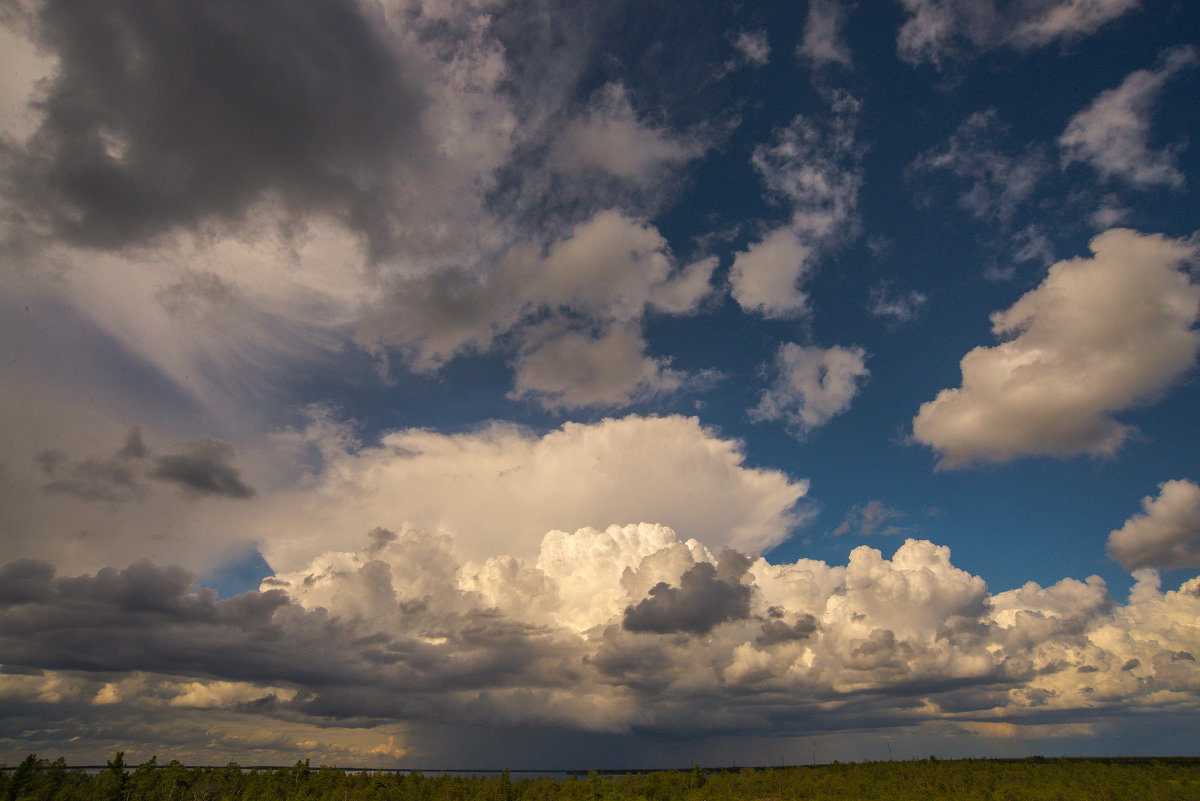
766 277
203 111
1098 336
902 307
704 599
1166 534
203 468
362 189
775 632
679 642
563 369
872 519
1113 133
611 271
940 30
811 385
753 46
610 139
93 478
823 29
500 483
998 183
815 168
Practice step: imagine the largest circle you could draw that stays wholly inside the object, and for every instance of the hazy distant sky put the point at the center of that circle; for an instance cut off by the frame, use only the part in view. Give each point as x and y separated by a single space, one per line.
483 383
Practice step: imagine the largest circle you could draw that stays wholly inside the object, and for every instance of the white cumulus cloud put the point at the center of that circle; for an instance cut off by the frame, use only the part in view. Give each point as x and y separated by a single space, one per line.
1166 534
501 484
1099 335
811 385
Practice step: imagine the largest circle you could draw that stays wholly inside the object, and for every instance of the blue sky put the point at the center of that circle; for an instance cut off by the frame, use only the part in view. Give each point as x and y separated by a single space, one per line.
641 381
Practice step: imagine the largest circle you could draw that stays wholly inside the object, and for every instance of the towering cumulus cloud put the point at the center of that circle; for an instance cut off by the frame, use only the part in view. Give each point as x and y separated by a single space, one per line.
503 484
626 629
1099 335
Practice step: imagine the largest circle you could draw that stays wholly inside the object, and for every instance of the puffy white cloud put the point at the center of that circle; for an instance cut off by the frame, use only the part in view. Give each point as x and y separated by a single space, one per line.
813 166
1167 532
501 484
1113 133
811 385
1099 335
937 30
611 139
823 43
766 277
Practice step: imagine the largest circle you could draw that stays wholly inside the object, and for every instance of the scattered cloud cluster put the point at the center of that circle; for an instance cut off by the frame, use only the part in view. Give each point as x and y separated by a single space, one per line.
1098 336
218 213
998 183
938 31
813 166
576 311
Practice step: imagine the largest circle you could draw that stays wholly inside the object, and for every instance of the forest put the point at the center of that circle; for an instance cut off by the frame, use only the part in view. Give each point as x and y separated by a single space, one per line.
1034 778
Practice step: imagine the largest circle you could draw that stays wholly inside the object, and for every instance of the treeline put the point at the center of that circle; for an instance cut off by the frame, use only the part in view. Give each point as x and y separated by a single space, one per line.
922 780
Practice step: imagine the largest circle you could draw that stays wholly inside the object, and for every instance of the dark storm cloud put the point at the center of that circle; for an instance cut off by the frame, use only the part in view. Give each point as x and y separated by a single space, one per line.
150 618
164 115
776 631
203 468
700 602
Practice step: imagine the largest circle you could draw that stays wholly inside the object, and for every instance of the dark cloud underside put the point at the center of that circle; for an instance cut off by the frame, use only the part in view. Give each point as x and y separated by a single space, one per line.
165 115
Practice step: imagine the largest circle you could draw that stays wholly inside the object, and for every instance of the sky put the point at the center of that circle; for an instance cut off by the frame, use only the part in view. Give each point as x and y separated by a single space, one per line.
531 384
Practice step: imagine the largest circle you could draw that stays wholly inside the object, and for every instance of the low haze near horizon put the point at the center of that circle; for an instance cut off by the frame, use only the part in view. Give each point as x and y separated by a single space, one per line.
485 383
